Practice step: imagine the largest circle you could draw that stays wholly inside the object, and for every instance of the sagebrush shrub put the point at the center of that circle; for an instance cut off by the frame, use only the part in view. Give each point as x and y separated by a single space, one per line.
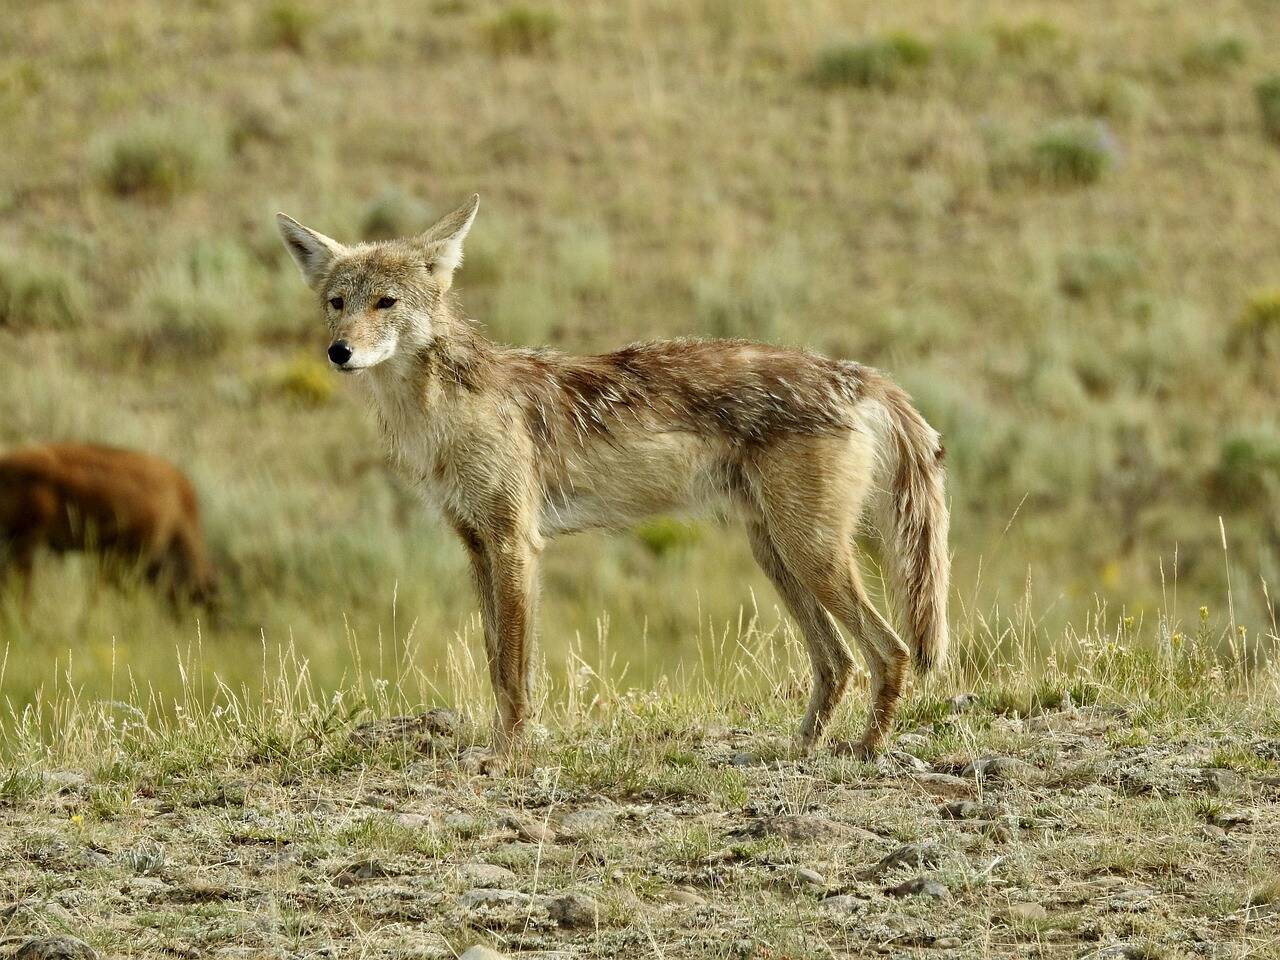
158 157
523 29
1072 153
286 24
1248 468
394 214
880 63
1214 56
1268 96
35 295
1257 329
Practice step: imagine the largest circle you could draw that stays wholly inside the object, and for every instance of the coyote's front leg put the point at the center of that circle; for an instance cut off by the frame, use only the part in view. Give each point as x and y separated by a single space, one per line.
505 571
513 569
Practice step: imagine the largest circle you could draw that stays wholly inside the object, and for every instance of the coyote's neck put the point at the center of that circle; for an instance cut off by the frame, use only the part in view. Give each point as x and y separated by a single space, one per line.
414 391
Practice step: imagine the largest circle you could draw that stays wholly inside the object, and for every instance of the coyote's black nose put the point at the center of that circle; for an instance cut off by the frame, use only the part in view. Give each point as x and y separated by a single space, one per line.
339 352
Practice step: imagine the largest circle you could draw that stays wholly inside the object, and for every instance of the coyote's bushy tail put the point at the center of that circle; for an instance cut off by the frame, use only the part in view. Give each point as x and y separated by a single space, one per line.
914 521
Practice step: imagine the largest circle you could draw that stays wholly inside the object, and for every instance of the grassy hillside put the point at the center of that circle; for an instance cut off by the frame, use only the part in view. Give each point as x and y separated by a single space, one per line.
1055 223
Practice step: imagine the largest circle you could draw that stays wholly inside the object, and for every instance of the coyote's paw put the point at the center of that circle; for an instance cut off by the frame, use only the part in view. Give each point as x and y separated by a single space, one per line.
857 749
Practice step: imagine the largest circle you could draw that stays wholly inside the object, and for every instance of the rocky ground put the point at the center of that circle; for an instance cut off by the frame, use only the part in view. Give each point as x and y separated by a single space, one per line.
1063 832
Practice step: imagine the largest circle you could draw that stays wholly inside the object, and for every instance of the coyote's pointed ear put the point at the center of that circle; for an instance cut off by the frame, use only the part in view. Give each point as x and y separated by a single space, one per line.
443 242
311 251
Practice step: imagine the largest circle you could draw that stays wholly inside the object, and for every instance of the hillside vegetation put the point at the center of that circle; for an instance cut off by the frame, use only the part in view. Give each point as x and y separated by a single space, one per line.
1054 223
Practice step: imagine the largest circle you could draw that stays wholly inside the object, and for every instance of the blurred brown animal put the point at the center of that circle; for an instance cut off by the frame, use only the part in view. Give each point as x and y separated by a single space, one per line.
119 503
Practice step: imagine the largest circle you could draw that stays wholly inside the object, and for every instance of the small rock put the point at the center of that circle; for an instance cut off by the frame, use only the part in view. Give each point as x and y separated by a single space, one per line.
144 888
1230 819
481 952
796 877
463 824
741 758
945 785
91 859
486 876
1219 781
901 760
412 821
1132 900
439 722
799 828
1000 830
963 703
1120 951
481 761
685 897
354 873
844 903
989 770
588 822
485 899
528 829
966 810
924 854
55 948
913 741
1052 722
64 781
919 887
1025 912
573 910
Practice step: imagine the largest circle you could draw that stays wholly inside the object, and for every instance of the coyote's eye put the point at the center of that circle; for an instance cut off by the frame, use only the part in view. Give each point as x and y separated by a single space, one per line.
335 302
386 303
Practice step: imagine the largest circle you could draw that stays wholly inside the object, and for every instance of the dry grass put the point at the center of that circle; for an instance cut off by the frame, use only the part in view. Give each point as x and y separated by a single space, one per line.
1136 812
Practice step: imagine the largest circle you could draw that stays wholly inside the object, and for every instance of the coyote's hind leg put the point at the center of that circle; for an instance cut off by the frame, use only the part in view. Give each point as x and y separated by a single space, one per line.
829 655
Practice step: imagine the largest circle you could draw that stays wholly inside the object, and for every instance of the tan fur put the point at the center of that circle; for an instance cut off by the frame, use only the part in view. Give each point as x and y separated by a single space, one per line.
76 496
515 446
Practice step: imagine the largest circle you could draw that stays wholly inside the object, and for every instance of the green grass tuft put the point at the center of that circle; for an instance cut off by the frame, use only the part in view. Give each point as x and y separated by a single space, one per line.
193 307
158 157
1071 153
1026 38
35 295
1248 467
665 535
522 29
1267 93
881 63
1096 271
305 381
1215 56
394 214
287 24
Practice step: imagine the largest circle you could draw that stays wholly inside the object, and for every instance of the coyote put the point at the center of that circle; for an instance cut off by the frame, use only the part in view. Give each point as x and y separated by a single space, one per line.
80 496
514 446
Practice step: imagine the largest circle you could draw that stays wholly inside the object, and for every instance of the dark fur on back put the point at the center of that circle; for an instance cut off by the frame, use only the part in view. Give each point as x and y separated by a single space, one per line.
747 392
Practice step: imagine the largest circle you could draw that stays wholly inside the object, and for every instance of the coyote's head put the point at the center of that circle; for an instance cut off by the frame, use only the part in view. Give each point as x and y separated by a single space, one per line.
379 297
